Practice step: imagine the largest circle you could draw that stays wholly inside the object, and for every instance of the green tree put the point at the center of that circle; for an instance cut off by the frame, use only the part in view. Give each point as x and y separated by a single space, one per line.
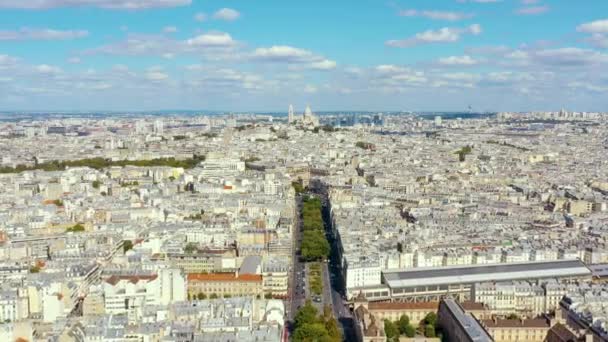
191 247
96 184
331 326
314 246
402 323
306 315
410 331
76 228
201 296
127 245
58 202
268 295
314 332
429 330
297 186
34 269
213 296
391 330
431 319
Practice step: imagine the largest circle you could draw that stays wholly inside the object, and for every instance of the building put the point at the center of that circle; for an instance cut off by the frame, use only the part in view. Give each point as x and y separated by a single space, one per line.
225 284
459 325
515 330
428 284
131 293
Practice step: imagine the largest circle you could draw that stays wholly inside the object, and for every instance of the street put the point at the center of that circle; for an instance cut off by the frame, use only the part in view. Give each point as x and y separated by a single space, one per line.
331 275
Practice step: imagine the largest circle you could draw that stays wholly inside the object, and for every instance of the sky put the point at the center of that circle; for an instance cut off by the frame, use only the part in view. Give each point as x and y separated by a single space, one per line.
262 55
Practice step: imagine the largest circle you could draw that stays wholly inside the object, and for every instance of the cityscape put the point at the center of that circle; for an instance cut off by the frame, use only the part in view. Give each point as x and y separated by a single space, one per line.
450 206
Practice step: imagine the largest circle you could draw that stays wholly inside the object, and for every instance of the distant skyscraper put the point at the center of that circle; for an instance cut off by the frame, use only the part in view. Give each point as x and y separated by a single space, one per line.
159 127
291 115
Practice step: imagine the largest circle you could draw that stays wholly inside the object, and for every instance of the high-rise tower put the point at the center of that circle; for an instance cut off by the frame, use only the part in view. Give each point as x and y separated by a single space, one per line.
291 116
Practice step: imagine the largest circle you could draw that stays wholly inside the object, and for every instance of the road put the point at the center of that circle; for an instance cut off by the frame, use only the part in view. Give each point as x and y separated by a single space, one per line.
333 284
336 282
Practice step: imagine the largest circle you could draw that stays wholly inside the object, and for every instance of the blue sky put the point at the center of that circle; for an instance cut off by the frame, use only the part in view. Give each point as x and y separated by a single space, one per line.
246 55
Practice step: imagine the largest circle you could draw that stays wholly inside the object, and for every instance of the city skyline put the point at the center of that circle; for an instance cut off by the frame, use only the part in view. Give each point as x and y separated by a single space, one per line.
511 55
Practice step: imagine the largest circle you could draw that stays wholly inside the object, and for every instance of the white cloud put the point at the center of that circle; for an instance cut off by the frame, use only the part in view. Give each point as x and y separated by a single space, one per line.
436 15
323 65
156 75
170 29
42 34
443 35
227 14
465 60
293 55
310 89
533 10
108 4
570 56
598 26
200 17
74 60
211 39
599 33
7 60
282 52
588 87
48 69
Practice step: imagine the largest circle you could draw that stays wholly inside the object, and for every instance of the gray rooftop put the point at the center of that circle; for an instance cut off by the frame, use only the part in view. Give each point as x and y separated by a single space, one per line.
482 273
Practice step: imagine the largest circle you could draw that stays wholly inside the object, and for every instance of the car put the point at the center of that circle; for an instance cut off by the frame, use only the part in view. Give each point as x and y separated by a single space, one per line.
317 299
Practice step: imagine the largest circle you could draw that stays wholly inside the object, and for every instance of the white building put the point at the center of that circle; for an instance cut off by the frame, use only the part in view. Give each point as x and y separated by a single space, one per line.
130 293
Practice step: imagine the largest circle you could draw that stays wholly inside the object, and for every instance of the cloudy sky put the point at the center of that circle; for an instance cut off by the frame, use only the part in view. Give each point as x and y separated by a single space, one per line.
261 55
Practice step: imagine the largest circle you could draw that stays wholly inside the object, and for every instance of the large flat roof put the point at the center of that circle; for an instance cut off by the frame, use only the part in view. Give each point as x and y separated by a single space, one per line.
482 273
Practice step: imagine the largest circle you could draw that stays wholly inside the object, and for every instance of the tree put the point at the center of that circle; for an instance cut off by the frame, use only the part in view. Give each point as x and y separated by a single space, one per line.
34 269
201 296
127 245
512 316
213 296
75 229
297 186
391 330
268 295
431 319
402 323
311 332
314 246
399 247
429 330
306 315
410 331
58 202
96 184
190 247
331 326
